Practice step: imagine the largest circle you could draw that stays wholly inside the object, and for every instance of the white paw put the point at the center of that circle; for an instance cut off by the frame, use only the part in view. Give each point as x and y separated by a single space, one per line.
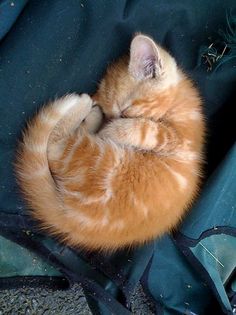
94 120
66 103
86 99
85 104
70 101
74 105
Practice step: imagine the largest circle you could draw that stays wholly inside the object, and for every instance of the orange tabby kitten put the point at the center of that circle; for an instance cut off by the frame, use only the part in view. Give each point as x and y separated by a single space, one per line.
132 180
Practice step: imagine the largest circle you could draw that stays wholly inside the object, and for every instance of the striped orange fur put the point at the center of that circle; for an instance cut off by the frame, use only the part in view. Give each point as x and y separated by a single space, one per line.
128 180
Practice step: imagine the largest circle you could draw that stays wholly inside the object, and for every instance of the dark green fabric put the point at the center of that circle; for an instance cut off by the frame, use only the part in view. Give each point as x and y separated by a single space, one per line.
49 48
217 204
10 10
15 260
170 280
210 229
212 254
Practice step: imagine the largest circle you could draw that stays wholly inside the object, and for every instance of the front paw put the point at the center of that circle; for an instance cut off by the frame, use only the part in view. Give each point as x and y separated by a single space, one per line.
80 106
86 101
94 120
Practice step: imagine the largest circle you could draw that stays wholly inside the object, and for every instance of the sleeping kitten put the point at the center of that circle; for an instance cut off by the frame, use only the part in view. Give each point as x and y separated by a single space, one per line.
136 177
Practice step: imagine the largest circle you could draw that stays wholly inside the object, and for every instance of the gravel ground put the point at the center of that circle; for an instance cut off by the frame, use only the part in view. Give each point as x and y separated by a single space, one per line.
140 304
46 301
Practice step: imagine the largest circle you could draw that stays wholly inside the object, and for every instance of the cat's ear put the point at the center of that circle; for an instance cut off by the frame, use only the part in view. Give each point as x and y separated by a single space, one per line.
145 61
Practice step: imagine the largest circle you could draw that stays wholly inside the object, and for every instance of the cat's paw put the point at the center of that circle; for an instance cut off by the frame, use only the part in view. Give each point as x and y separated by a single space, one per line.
71 101
83 105
85 101
94 120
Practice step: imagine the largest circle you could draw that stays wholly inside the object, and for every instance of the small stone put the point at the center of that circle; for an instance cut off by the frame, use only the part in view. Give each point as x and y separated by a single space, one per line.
34 303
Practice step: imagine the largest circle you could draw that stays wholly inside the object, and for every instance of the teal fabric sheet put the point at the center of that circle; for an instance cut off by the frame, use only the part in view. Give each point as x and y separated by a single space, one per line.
49 48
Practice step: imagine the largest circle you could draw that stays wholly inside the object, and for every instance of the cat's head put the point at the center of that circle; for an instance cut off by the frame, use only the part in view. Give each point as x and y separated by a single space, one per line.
148 69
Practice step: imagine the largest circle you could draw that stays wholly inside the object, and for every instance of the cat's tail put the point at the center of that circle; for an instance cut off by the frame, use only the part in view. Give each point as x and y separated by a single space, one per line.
32 168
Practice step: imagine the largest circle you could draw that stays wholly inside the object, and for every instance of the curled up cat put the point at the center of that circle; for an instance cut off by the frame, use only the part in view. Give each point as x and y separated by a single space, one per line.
126 181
